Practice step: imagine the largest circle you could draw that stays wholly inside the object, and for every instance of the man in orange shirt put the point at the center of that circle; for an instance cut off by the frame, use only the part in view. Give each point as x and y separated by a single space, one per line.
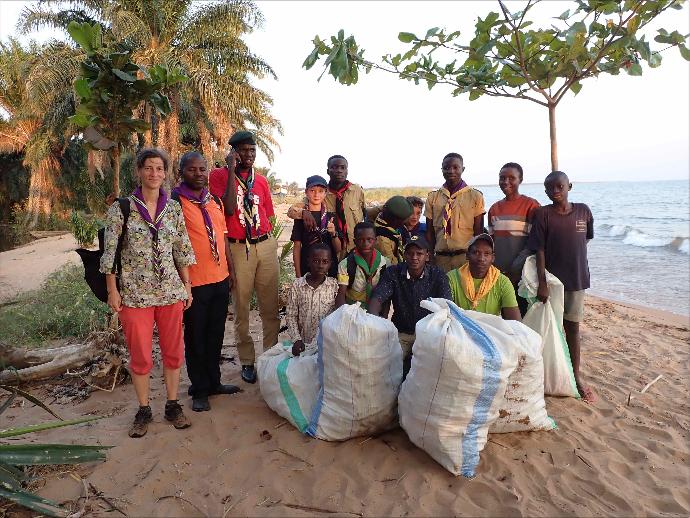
211 278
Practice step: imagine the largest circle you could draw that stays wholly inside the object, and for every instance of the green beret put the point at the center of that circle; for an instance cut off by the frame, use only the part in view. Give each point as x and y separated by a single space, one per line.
399 207
242 137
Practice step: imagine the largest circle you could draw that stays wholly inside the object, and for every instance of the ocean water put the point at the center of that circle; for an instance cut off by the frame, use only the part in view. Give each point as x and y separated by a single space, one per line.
640 252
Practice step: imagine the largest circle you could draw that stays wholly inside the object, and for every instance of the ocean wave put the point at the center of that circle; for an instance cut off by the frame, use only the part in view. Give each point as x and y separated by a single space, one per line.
634 237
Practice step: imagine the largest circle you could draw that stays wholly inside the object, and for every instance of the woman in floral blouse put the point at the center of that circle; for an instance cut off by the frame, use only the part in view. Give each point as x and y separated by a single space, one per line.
154 284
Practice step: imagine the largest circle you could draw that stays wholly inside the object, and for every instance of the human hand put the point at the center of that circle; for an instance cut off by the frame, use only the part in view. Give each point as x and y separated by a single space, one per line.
331 227
232 159
188 302
543 292
115 301
298 347
308 220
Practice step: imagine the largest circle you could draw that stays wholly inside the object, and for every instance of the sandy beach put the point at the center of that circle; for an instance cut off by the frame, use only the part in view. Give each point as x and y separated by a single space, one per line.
624 455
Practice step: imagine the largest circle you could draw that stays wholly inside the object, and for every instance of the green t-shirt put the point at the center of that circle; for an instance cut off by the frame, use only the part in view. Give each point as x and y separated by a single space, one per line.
502 295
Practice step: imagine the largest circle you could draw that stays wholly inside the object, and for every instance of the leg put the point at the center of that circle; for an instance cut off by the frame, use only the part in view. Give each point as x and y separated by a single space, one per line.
245 271
217 312
137 325
195 344
169 322
573 310
406 343
266 286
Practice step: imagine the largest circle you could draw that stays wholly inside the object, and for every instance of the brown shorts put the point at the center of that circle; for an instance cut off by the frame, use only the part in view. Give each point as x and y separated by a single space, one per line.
573 305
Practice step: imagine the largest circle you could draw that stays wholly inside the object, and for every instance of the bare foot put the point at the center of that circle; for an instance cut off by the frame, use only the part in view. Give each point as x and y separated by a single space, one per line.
586 393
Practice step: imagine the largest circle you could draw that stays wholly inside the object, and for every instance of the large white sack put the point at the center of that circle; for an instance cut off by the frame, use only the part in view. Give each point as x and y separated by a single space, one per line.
289 384
523 407
360 371
456 384
547 320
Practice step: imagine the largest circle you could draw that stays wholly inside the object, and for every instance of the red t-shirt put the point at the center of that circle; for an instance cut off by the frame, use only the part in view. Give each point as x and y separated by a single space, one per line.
217 181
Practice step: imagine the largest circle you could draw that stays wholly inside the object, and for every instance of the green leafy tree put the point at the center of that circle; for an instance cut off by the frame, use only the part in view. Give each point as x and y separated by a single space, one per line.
508 57
204 41
110 88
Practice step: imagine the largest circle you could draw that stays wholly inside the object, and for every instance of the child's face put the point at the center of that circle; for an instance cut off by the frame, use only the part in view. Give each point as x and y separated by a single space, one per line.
557 189
364 240
414 218
319 262
316 194
452 169
509 180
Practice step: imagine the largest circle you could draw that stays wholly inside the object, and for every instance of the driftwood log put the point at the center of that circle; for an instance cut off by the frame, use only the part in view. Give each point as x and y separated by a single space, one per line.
96 358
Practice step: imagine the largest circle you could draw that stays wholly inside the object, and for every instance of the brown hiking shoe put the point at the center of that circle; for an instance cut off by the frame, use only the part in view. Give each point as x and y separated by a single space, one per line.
174 414
141 422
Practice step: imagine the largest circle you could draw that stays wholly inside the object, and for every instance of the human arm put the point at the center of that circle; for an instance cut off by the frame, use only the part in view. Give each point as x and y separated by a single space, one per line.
509 305
297 258
543 289
375 307
511 314
292 317
230 194
183 253
429 216
340 298
114 298
478 225
183 272
479 211
231 267
379 302
335 238
114 226
442 287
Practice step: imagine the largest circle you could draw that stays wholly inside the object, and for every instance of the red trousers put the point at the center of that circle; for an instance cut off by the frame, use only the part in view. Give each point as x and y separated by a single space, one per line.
137 324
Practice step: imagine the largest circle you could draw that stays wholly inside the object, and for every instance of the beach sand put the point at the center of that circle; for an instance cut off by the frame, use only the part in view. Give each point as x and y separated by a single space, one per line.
621 456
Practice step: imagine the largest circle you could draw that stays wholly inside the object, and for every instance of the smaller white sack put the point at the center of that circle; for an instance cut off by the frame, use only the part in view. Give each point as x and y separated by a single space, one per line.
456 384
289 384
547 320
523 408
360 371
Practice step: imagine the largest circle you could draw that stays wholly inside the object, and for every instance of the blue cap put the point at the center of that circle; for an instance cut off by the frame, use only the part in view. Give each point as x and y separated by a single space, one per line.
316 180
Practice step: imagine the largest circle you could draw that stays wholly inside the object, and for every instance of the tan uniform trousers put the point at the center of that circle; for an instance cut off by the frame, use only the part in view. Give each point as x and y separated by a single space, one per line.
450 262
258 273
406 343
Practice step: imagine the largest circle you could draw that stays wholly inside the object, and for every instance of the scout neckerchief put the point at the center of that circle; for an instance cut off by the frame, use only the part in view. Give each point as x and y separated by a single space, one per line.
154 224
340 222
467 283
398 252
249 210
317 235
450 205
368 269
201 200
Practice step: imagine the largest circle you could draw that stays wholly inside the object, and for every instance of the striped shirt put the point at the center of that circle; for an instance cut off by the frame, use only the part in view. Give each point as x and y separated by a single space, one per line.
509 224
306 306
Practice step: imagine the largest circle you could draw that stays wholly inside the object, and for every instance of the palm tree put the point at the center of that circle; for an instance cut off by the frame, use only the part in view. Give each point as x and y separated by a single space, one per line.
33 120
205 42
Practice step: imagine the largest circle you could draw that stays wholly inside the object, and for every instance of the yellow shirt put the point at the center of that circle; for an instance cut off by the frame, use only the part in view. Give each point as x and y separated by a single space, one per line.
469 204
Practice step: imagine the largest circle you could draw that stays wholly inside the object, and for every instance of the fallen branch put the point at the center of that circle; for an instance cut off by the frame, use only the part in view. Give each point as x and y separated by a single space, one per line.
318 509
99 494
182 500
285 452
646 387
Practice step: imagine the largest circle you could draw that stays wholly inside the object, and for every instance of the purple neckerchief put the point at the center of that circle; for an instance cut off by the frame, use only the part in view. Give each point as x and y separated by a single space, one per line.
461 185
154 224
202 199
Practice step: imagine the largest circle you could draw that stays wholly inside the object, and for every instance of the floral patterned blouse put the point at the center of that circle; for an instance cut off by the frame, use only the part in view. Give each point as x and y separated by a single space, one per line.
140 286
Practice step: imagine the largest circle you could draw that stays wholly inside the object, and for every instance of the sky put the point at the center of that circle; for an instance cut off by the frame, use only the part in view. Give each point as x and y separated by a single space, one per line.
395 133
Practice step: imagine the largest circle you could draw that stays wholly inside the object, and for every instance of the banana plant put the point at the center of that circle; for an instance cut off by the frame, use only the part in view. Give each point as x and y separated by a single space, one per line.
13 457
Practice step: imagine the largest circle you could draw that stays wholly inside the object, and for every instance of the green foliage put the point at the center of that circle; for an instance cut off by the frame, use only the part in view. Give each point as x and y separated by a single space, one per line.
111 86
14 457
63 307
84 228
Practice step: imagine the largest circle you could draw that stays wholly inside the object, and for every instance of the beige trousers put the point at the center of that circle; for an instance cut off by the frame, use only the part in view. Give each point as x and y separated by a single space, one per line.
450 262
406 343
258 273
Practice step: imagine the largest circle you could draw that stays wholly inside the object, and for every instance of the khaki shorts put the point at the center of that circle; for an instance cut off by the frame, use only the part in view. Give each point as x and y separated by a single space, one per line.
573 305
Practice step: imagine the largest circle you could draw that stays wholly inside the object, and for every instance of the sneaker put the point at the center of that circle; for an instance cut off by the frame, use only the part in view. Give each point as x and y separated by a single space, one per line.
248 374
174 414
141 422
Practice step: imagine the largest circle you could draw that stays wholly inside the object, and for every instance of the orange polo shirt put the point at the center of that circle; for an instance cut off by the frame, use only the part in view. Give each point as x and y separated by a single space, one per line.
206 270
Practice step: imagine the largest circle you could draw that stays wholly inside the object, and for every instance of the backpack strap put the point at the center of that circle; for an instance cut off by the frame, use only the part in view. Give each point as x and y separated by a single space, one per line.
387 233
125 209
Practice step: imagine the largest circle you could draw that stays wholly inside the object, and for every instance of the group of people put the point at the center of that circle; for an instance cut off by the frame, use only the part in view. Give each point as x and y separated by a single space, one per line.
183 255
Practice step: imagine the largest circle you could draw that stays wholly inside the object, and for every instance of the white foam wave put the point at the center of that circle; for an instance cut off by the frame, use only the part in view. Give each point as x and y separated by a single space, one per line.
632 236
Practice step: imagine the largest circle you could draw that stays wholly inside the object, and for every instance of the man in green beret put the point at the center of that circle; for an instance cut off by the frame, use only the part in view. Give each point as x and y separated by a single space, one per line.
254 251
389 241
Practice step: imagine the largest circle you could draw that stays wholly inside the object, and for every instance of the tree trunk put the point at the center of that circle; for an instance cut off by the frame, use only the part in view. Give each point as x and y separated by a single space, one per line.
116 170
552 136
35 364
205 139
42 190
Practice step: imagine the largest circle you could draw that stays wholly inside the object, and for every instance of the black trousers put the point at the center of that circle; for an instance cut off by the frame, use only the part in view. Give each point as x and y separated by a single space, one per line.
204 328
